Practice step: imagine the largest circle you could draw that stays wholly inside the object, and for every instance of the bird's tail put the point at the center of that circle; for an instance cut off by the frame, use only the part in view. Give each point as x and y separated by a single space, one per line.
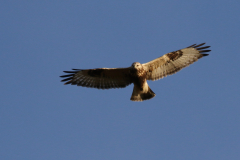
142 94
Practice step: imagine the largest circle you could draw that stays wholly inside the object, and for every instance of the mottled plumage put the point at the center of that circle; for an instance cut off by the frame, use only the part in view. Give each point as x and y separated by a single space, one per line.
137 73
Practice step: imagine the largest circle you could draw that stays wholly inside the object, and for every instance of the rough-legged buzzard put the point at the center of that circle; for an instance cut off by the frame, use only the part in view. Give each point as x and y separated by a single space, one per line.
137 73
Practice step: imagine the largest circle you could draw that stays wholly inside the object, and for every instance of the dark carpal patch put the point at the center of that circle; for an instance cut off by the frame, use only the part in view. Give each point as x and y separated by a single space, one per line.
175 55
150 69
95 72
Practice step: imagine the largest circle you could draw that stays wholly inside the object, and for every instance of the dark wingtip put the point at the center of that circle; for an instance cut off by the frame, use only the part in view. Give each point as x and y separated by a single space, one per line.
199 45
205 55
200 48
191 46
203 47
67 82
201 51
69 77
69 71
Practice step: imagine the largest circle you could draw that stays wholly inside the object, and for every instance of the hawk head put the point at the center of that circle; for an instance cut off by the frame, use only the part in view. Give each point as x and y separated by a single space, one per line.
137 66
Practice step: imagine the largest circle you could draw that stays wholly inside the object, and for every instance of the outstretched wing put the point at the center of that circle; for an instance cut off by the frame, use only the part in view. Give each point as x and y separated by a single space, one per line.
173 62
101 78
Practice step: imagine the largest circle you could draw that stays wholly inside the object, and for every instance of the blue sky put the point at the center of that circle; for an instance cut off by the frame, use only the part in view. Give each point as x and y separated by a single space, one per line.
195 114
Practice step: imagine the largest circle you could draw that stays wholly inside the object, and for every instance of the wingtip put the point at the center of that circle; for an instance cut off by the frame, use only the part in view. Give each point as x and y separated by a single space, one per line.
68 82
199 45
191 46
205 55
201 51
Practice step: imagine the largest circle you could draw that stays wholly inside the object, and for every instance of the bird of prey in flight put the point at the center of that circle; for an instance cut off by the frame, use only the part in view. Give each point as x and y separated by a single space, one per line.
137 73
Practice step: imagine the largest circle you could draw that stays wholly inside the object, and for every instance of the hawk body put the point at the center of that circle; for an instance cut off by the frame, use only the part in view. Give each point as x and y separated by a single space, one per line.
137 73
141 90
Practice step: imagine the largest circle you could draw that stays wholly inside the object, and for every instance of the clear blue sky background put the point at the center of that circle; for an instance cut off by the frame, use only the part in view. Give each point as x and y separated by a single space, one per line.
195 114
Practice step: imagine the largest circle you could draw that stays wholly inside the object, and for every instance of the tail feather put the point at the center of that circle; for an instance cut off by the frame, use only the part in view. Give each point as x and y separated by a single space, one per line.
141 95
